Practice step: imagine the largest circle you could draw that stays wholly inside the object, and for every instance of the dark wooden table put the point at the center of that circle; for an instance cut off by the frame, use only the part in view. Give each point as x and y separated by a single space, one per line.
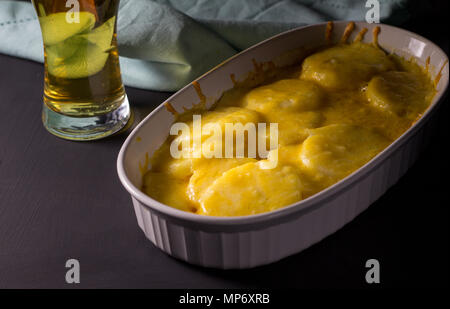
62 200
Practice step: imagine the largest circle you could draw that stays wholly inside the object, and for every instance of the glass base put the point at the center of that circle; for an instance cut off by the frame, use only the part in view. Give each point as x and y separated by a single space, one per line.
86 128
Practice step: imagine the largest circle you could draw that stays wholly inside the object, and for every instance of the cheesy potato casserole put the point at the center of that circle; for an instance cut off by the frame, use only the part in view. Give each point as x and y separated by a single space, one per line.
335 111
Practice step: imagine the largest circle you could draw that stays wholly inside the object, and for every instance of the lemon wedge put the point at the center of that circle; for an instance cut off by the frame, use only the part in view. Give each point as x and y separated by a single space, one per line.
82 54
56 29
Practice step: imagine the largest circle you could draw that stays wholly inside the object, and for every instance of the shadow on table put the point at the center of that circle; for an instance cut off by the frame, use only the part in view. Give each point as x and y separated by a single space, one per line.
142 103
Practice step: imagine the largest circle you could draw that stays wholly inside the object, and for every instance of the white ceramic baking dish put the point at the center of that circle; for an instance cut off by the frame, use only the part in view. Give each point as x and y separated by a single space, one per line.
249 241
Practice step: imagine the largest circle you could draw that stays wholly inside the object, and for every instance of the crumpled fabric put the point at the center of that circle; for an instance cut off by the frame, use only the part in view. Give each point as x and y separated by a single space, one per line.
165 44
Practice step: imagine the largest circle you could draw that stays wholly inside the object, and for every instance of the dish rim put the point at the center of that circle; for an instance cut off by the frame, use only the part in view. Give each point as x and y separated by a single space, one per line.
298 208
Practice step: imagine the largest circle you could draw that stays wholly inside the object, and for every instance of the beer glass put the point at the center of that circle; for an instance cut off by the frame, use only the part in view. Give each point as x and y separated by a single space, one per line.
84 98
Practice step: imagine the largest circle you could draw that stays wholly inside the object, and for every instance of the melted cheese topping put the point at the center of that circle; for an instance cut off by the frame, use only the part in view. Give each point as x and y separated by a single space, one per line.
335 112
330 153
345 66
250 189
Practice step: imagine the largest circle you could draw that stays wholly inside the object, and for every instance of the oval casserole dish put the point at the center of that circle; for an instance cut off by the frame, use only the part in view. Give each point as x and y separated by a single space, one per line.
250 241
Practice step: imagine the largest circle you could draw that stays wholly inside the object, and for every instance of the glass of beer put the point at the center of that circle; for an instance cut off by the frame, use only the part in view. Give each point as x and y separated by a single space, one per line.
84 97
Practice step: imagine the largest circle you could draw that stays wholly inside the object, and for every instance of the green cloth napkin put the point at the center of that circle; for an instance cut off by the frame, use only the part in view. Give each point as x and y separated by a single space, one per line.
165 44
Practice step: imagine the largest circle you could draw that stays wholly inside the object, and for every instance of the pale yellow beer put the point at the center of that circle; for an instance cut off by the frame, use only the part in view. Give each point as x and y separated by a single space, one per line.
83 83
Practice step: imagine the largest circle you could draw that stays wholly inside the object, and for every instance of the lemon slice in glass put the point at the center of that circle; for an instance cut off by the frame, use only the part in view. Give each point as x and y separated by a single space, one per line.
83 54
56 29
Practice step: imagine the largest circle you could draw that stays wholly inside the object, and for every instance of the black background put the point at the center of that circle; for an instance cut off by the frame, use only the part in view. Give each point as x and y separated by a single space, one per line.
61 200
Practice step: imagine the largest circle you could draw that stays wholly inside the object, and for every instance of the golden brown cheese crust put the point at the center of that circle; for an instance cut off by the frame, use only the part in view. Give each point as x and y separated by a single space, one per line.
335 111
345 66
